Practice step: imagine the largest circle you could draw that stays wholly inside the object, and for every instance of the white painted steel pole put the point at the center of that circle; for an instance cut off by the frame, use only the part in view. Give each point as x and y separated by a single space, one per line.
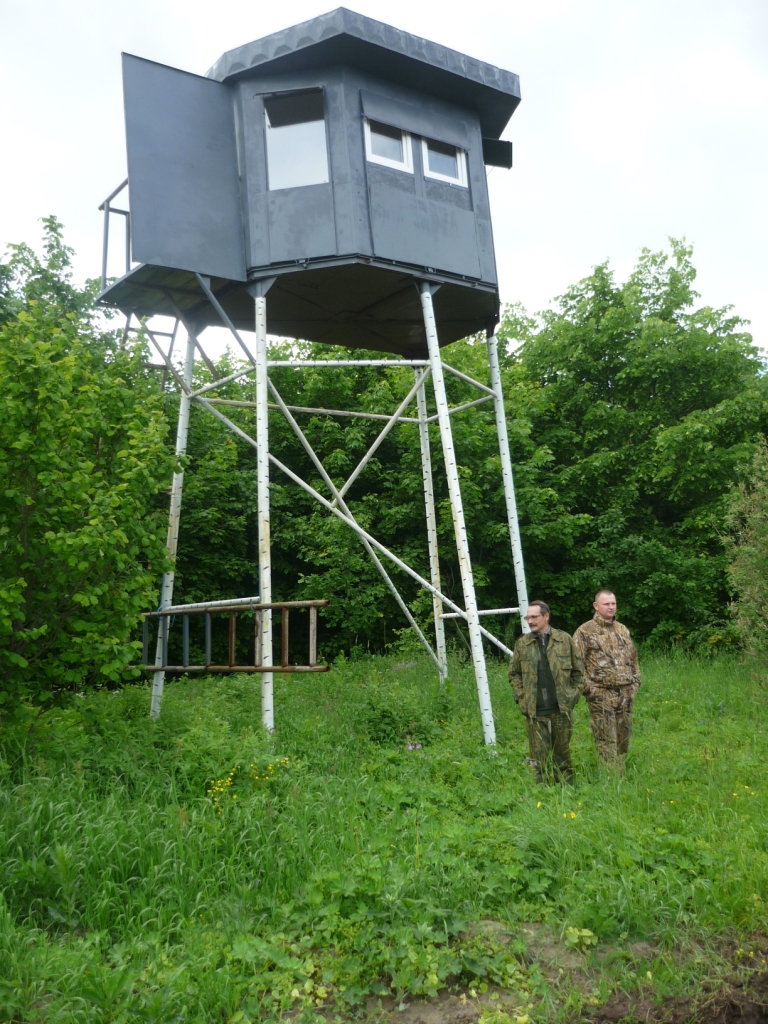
172 538
457 511
508 480
262 501
429 504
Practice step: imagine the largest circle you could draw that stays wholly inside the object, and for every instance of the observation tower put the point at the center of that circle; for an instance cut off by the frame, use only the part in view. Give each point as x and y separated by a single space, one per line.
324 183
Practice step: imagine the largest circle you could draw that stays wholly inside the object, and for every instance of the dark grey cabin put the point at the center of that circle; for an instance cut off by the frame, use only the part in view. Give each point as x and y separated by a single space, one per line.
344 158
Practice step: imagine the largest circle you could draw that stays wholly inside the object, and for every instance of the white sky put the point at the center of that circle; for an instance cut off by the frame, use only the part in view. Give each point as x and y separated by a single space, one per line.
640 119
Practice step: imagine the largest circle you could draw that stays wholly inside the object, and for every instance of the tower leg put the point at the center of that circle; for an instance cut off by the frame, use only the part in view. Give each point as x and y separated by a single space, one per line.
508 480
172 539
457 510
262 501
429 503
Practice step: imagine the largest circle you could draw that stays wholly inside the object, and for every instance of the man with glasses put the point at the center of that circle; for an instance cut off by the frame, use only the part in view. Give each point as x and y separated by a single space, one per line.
546 673
612 679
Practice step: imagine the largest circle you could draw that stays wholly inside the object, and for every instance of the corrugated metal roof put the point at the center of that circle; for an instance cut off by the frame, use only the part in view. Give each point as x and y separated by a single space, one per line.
343 36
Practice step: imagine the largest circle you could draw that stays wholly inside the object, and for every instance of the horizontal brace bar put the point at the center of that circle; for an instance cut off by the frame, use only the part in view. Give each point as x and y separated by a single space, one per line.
112 195
233 668
321 412
233 605
346 412
297 363
124 213
309 362
488 611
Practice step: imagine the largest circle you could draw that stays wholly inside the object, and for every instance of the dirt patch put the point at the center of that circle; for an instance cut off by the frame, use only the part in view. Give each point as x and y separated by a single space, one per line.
738 995
444 1009
732 1004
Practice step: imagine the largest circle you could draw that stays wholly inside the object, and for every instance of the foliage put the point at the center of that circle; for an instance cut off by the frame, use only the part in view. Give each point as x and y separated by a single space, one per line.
747 544
649 412
82 456
25 279
357 868
630 413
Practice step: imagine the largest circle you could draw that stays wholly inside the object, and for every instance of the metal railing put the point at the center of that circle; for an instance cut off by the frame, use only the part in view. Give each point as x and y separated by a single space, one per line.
232 607
108 210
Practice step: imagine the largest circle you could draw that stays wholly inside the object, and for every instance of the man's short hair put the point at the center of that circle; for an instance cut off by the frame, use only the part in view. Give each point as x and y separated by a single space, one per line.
543 607
604 591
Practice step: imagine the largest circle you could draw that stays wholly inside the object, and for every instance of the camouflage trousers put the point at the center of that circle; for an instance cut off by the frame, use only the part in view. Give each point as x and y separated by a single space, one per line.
610 713
549 747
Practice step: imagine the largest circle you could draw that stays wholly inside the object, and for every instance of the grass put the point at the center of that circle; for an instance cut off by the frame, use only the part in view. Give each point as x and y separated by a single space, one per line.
196 869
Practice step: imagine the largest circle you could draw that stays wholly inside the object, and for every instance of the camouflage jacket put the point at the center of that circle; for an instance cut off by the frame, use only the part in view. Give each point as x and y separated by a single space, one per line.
610 657
567 670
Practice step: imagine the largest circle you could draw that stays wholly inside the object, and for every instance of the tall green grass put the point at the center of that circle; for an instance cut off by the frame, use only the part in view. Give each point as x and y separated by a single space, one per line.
197 869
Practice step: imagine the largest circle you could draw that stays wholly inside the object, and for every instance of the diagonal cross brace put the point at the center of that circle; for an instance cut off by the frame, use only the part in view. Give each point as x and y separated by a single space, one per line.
352 524
344 507
227 322
380 439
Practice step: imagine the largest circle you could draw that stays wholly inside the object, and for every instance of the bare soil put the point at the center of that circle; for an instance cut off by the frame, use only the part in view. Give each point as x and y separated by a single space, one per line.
731 1004
729 1000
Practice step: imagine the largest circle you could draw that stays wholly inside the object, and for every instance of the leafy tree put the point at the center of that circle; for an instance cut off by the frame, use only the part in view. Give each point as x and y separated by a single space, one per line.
630 414
747 545
83 454
650 411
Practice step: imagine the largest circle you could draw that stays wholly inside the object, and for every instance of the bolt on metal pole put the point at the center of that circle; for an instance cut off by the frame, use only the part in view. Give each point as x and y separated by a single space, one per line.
457 511
262 501
174 514
429 503
508 481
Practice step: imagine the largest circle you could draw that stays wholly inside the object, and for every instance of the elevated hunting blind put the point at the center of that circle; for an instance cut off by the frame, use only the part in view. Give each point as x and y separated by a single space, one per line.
337 170
341 156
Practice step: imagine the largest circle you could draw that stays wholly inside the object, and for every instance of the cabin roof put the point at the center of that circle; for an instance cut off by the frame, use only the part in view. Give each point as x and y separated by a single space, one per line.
345 37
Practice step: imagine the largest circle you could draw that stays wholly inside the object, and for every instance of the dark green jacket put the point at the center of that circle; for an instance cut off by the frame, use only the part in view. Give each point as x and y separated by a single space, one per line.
567 670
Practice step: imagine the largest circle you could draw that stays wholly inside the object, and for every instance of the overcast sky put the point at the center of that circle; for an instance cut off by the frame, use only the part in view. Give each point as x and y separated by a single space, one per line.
640 119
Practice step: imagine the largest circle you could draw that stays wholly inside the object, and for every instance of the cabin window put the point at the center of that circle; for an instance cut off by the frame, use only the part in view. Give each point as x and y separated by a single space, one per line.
297 148
444 162
388 146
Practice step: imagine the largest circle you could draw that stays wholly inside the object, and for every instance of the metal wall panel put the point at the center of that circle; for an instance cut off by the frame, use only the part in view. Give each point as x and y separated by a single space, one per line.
301 224
182 168
420 120
410 229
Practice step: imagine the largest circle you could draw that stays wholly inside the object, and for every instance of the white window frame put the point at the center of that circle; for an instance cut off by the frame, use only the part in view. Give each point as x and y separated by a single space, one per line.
405 165
461 160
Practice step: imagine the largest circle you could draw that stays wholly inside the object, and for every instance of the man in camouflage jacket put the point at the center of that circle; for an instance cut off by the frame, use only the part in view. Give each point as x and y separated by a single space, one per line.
612 678
547 680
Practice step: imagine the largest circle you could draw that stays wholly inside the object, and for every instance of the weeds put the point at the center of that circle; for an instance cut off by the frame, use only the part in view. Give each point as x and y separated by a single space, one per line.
197 869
